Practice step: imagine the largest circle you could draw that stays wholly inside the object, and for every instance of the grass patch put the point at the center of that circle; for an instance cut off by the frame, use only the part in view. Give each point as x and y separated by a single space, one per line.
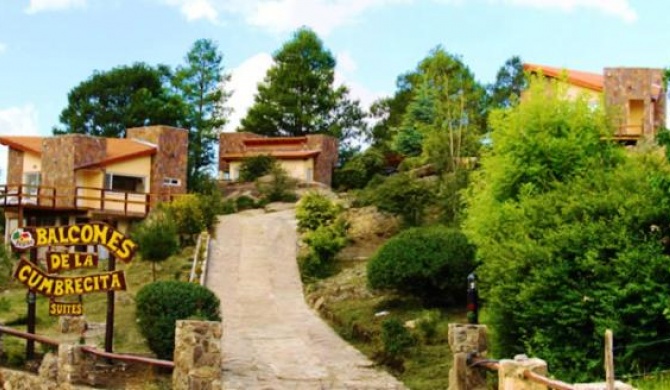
659 381
357 315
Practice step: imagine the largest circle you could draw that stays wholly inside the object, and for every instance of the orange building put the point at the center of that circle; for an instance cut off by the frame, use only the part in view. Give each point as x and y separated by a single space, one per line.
635 97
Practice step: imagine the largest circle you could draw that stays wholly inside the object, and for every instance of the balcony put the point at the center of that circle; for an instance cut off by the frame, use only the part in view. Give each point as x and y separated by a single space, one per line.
90 199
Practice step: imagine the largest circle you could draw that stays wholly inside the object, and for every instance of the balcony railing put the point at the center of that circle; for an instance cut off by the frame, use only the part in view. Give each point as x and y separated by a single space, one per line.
80 198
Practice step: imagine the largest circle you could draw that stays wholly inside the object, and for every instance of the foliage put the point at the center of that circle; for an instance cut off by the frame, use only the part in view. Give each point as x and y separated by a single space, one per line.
161 304
327 240
279 188
446 112
187 215
402 195
298 95
256 166
6 266
428 325
572 234
360 169
201 83
157 239
211 205
396 338
315 210
109 102
244 202
510 81
431 263
449 197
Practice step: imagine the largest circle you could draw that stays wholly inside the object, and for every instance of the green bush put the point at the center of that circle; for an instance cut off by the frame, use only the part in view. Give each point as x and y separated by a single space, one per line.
324 243
257 166
157 239
396 338
229 206
315 210
402 195
244 202
279 188
211 205
431 263
161 304
360 169
187 214
428 324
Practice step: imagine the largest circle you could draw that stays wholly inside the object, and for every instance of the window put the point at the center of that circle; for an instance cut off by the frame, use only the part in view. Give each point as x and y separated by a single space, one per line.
32 181
116 182
171 182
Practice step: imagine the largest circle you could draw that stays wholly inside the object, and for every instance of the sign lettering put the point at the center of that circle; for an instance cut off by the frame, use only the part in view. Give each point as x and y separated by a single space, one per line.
65 261
65 308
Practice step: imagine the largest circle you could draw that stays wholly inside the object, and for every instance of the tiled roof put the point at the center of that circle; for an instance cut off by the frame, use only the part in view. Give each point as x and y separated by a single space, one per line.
118 149
285 154
592 81
274 140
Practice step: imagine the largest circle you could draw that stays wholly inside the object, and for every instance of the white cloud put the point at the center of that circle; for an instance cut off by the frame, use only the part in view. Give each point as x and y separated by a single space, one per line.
197 9
16 121
243 82
618 8
36 6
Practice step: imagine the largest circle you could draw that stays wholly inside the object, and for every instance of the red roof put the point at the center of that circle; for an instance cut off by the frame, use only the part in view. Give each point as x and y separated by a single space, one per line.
282 154
592 81
118 149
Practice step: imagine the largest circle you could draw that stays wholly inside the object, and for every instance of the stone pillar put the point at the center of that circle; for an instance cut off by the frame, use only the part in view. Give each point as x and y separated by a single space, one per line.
71 364
197 356
467 340
510 374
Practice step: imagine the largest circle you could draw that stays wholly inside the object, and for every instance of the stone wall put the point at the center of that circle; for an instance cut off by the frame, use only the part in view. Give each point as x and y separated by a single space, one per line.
232 143
170 160
625 84
326 160
197 356
14 166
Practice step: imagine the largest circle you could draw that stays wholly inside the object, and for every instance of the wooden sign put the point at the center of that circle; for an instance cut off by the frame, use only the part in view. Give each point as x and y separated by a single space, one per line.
94 233
65 308
57 286
66 261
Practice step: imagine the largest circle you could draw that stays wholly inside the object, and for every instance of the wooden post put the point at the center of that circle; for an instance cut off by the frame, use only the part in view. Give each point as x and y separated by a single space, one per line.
609 359
109 325
31 299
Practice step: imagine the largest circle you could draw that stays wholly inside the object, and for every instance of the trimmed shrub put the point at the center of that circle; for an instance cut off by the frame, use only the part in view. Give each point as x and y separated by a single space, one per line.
315 210
187 215
161 304
402 195
431 263
257 166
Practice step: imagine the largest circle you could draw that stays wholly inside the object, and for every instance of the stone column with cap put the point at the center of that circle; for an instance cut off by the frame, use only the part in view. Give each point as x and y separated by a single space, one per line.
466 341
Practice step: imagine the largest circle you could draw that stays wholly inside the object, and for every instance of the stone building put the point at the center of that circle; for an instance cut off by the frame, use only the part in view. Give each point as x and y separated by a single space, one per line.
311 158
76 178
635 97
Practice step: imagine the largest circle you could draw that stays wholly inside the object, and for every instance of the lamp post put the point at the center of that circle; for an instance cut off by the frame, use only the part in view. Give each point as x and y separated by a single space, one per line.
473 300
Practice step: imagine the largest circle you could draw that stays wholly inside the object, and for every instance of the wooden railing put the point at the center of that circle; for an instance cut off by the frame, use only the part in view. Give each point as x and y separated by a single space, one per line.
81 198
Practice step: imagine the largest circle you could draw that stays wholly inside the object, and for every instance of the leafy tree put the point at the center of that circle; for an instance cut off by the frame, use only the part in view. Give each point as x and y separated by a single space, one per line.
256 166
201 83
360 169
572 233
447 110
298 96
510 82
127 96
403 195
157 240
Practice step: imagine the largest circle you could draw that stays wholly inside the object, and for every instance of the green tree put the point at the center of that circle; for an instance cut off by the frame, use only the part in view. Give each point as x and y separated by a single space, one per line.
127 96
447 110
298 95
510 81
157 240
572 233
201 83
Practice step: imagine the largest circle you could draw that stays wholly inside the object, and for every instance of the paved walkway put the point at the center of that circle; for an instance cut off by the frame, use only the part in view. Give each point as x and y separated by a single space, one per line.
271 338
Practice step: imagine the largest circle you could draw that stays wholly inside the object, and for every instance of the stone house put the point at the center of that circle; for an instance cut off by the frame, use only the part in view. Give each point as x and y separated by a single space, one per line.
75 178
310 158
636 97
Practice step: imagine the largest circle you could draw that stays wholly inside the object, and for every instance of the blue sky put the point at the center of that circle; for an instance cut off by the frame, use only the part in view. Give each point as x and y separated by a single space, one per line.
48 46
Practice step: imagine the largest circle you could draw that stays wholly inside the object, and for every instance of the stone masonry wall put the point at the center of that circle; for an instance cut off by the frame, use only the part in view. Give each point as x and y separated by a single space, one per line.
625 84
61 155
14 166
232 143
326 160
197 356
171 159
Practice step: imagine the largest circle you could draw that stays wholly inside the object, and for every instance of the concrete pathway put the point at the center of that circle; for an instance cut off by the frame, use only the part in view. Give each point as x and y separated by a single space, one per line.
271 338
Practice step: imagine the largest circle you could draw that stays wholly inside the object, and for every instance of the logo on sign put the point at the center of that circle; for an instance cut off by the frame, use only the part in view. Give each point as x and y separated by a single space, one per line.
22 239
